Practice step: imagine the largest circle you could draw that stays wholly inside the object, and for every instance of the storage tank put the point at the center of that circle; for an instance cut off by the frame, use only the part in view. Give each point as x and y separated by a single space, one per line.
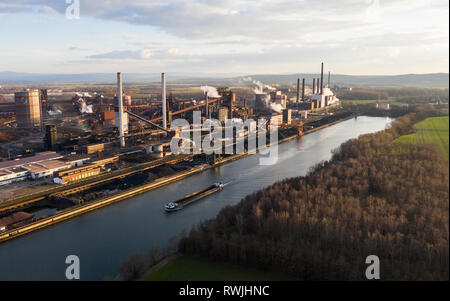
262 103
28 108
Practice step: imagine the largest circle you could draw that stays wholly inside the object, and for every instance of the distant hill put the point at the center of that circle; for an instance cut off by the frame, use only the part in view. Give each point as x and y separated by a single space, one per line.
432 80
28 78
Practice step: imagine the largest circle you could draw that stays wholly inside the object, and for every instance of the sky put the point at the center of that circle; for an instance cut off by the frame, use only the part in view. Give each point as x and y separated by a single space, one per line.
227 37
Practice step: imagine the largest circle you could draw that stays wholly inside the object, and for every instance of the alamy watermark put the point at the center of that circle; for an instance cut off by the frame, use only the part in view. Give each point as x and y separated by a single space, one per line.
73 9
373 270
73 268
228 138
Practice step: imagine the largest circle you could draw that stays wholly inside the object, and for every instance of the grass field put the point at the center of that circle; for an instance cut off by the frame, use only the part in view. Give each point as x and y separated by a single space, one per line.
432 130
195 269
367 101
361 101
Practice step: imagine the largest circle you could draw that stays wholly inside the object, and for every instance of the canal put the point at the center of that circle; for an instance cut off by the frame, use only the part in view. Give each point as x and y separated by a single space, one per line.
104 238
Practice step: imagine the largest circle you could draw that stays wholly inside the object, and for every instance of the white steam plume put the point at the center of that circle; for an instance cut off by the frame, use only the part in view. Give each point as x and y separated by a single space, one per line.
259 89
276 107
212 92
85 108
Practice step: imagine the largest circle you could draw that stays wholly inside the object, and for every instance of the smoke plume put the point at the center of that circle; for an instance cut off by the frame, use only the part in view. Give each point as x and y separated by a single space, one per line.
260 86
212 92
276 107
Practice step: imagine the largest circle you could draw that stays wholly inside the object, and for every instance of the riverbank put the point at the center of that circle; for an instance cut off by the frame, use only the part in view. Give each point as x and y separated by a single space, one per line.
72 212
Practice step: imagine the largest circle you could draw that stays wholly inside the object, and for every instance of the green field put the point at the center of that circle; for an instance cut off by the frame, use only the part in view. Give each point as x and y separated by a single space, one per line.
367 101
361 101
432 130
195 269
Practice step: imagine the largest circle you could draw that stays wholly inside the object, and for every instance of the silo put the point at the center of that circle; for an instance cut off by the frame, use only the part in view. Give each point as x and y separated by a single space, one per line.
28 108
262 103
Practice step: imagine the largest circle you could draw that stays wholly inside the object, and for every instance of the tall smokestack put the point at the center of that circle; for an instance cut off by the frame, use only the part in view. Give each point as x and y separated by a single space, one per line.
329 75
298 90
206 105
120 108
232 101
303 89
321 80
314 85
163 99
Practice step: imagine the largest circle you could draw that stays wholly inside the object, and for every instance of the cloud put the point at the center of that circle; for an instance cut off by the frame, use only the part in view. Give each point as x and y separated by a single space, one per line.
262 19
77 48
130 37
142 54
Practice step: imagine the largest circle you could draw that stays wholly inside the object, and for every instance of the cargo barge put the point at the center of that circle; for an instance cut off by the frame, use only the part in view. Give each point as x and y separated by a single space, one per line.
195 196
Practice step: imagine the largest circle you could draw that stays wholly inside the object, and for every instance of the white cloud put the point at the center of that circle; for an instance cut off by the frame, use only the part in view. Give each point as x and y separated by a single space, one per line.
130 37
142 54
77 48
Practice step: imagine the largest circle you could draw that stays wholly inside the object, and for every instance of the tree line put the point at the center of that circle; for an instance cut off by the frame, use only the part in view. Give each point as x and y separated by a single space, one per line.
371 197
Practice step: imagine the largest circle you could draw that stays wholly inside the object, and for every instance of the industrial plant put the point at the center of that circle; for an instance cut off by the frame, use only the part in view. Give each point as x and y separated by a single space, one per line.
73 143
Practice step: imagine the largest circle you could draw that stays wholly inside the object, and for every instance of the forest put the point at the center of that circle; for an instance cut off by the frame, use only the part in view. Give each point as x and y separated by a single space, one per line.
371 198
406 95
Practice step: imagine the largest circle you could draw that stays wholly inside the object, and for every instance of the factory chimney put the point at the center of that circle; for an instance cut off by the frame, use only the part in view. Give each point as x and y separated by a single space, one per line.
329 75
321 80
120 108
206 105
298 90
314 86
303 89
163 99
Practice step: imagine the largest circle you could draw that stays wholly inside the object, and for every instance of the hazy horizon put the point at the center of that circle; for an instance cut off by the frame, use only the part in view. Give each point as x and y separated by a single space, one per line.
219 75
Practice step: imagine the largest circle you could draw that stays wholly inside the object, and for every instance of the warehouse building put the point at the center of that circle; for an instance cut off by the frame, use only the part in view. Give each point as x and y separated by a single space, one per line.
39 166
76 174
46 168
13 174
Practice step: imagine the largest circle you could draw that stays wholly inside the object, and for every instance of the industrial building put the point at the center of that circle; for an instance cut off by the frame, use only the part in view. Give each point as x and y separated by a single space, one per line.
287 116
262 103
46 168
321 97
228 100
303 114
76 174
39 166
108 118
278 98
28 108
324 99
94 148
39 157
51 137
13 174
384 106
